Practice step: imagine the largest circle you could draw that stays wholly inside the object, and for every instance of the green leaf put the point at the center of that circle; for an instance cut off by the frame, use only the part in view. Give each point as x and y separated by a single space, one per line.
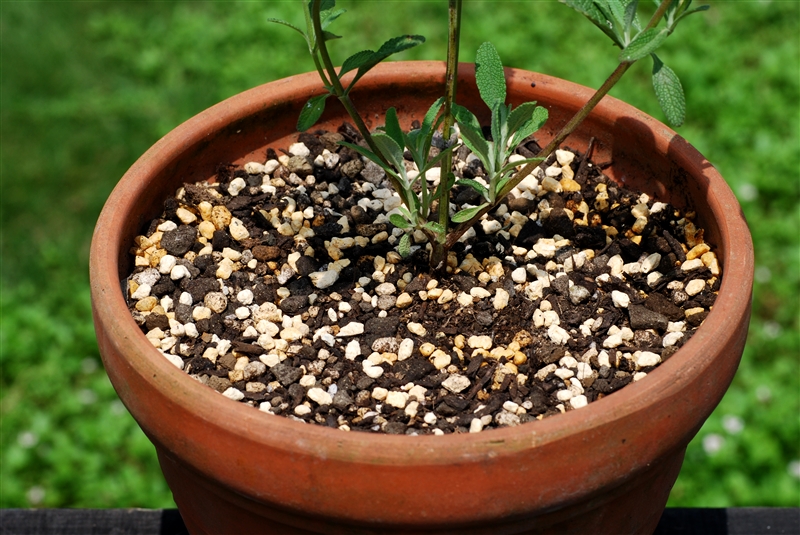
311 112
469 213
356 61
499 131
393 129
390 150
691 11
399 221
471 133
435 227
324 5
490 76
330 36
590 10
617 10
669 92
331 16
630 15
404 247
436 159
392 46
288 24
475 142
431 114
644 44
538 119
513 165
398 44
520 116
474 184
369 154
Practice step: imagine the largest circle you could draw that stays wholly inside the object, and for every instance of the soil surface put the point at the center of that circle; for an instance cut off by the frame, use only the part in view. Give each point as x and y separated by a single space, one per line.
280 286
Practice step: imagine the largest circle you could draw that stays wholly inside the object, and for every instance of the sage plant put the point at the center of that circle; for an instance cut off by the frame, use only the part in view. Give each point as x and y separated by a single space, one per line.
509 127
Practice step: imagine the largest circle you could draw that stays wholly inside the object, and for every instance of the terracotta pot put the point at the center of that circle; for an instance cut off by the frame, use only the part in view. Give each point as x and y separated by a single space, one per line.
606 468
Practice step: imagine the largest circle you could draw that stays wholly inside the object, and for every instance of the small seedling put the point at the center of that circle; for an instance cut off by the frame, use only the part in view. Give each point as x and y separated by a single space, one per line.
426 207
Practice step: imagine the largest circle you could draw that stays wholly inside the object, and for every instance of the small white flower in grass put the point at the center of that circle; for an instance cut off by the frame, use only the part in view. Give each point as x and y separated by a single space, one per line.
732 424
35 495
27 439
772 329
712 443
794 469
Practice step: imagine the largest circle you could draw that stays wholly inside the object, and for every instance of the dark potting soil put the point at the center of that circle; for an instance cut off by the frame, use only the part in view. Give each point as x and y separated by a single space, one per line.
280 286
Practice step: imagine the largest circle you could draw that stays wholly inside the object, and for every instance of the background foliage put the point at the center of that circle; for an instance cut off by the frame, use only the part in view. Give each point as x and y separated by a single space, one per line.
87 87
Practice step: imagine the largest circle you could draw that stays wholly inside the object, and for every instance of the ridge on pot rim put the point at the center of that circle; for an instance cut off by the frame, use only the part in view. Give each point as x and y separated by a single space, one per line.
437 477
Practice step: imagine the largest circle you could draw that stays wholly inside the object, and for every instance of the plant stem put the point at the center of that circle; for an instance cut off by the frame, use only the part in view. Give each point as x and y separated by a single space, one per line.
565 132
338 89
438 253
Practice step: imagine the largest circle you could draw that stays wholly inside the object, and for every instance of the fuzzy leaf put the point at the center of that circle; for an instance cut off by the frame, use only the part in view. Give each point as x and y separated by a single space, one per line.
465 117
469 213
356 61
311 112
324 5
404 247
431 114
616 9
669 92
490 76
471 133
435 227
644 44
390 150
399 221
590 10
520 116
474 184
369 154
331 16
499 129
475 142
630 15
393 129
538 118
392 46
288 24
511 166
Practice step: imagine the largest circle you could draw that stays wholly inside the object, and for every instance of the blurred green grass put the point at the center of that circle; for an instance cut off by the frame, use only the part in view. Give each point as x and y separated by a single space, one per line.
87 87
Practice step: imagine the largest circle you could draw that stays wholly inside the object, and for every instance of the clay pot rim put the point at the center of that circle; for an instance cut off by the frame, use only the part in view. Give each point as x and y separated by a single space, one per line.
280 432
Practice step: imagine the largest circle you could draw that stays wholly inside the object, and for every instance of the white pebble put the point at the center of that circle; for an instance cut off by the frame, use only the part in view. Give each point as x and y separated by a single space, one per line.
578 402
476 425
320 396
352 350
353 328
620 299
500 299
416 328
324 279
397 399
558 335
479 293
406 349
236 186
670 339
242 313
302 410
647 358
456 383
166 264
695 286
233 393
519 275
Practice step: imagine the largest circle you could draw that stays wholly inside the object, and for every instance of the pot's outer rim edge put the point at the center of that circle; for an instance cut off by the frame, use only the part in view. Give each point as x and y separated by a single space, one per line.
387 450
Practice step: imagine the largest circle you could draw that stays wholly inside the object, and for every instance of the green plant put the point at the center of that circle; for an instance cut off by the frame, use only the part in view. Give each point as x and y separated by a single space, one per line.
616 18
